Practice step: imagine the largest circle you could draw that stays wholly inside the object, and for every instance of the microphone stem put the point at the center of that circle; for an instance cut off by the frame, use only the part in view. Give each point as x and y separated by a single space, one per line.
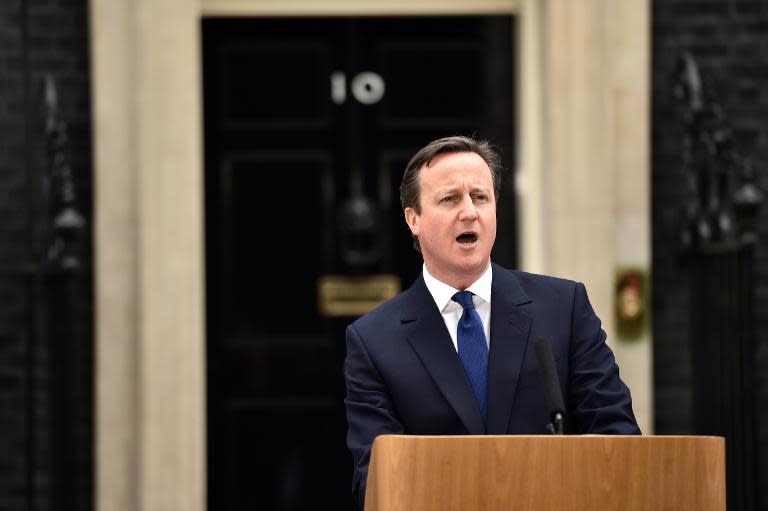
557 423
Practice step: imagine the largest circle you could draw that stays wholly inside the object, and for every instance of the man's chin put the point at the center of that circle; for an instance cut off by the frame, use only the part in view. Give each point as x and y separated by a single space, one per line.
462 266
474 266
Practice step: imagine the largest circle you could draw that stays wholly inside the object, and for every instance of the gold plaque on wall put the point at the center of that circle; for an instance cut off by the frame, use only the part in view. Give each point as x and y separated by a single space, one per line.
342 295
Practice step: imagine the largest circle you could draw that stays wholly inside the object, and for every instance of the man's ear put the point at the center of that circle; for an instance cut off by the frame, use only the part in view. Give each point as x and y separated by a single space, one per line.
412 219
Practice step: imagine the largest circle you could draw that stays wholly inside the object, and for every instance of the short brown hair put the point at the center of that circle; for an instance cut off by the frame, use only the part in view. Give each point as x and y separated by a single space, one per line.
410 188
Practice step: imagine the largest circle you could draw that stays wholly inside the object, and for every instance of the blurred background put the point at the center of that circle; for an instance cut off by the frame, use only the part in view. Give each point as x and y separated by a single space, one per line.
196 198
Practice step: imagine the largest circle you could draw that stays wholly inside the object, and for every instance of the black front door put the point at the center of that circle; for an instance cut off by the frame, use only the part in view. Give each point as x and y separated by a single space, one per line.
308 126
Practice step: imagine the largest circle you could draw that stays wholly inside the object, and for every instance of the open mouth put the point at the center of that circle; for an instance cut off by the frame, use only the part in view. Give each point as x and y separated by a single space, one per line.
466 238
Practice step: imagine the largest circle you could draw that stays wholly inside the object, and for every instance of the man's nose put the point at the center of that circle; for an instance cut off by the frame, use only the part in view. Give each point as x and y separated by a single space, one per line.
468 210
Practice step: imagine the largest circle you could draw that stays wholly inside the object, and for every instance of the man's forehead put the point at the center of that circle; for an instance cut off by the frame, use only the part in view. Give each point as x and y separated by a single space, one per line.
459 184
453 155
433 173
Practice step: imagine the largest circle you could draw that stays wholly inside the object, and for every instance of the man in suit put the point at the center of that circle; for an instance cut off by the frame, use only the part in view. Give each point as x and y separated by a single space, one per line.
453 354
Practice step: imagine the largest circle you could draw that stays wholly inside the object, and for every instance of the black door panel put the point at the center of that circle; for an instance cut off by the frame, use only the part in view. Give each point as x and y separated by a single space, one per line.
304 117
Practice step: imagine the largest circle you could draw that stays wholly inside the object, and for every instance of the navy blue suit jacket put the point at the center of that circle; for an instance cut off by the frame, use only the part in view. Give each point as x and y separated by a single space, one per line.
403 375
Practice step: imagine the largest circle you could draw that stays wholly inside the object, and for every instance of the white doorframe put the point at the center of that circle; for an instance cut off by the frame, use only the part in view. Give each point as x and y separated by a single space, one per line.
148 184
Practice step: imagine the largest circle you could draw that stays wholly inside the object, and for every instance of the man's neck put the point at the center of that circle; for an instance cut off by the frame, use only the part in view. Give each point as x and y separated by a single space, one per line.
460 282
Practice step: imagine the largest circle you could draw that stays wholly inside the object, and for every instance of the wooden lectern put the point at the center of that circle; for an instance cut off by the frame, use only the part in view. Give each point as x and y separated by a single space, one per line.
543 473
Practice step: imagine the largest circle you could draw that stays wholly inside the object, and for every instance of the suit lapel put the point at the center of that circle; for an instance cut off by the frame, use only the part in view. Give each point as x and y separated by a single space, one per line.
510 330
432 343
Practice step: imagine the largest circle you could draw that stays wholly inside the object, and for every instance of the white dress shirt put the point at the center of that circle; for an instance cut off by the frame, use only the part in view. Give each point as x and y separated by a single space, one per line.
451 311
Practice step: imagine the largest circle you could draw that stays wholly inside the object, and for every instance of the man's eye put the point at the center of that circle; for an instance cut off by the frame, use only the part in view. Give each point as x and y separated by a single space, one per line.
481 198
450 198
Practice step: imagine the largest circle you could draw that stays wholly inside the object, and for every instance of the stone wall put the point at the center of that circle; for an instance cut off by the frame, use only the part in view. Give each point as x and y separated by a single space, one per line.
729 40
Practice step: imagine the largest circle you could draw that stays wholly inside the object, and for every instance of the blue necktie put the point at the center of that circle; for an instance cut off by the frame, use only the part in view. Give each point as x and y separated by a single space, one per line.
473 350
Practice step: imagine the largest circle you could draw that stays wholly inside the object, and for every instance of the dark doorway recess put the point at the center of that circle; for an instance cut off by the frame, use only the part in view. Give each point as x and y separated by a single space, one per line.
308 126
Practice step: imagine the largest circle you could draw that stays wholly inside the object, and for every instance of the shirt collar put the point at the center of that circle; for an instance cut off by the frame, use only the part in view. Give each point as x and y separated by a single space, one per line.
442 292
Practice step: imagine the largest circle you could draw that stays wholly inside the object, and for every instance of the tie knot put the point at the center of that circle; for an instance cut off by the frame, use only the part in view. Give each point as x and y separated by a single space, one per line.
464 298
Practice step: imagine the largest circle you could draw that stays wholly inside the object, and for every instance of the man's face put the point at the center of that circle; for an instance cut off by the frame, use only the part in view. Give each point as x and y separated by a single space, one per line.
457 224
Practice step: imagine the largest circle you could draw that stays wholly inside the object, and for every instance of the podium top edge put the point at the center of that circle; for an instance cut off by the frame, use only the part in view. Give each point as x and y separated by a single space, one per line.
554 437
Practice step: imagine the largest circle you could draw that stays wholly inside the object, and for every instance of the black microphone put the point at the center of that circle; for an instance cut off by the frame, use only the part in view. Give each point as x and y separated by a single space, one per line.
551 384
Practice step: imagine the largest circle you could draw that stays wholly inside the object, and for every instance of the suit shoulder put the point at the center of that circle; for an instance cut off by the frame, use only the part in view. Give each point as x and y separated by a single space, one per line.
382 316
530 281
535 279
523 286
